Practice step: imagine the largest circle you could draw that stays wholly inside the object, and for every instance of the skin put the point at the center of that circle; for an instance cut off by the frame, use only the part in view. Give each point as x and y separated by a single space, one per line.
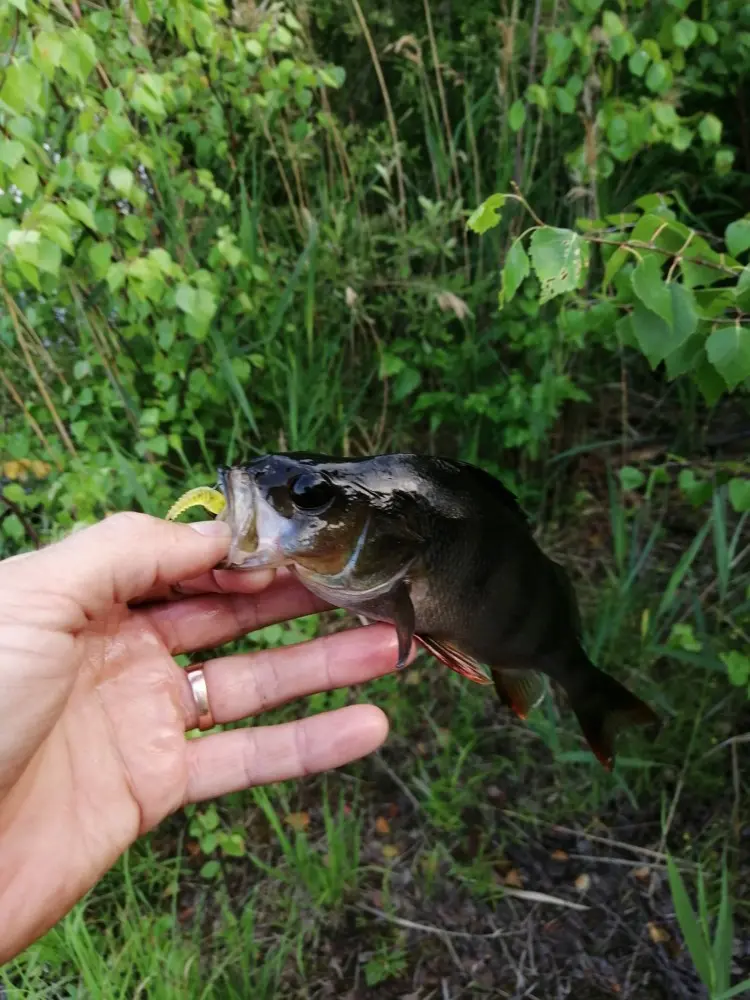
94 709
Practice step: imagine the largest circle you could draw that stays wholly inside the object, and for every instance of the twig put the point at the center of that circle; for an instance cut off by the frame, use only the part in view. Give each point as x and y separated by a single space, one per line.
431 929
398 781
542 897
607 841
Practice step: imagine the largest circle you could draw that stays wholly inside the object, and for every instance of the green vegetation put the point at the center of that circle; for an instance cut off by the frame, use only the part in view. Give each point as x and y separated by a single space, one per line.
513 233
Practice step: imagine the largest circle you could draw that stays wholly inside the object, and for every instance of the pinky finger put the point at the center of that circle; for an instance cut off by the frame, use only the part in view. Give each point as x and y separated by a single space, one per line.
228 762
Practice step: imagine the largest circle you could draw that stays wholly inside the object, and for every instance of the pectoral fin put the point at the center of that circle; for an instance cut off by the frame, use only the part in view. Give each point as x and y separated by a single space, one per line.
403 619
520 690
452 657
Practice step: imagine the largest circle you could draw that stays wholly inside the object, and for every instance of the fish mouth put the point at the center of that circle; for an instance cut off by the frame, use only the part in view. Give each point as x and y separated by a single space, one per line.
255 540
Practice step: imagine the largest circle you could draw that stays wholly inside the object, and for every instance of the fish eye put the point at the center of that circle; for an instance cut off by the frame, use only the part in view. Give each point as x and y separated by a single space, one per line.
310 492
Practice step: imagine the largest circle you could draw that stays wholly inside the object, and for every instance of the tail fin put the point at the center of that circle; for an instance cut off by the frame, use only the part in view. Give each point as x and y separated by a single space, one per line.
603 707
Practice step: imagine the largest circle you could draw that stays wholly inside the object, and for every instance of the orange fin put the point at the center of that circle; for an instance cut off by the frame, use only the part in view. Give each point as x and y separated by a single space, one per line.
520 690
452 657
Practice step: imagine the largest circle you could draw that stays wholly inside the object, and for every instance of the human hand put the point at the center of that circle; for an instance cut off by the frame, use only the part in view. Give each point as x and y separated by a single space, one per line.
94 709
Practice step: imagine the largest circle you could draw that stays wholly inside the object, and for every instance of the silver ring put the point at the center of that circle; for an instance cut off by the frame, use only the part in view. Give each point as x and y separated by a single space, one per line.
197 680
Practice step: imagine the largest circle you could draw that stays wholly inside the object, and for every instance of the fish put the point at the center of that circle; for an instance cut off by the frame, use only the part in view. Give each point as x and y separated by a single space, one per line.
440 549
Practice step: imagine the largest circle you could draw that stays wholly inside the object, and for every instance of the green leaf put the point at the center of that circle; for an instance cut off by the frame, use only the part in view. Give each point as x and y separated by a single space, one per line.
657 338
738 667
211 869
48 51
79 54
611 24
515 269
121 179
79 210
658 77
142 11
538 95
100 255
13 527
710 129
25 178
631 478
185 299
691 929
737 236
638 62
11 152
517 115
564 101
684 33
558 257
723 161
739 494
405 383
198 303
90 174
22 87
487 215
708 380
728 350
615 262
650 287
49 257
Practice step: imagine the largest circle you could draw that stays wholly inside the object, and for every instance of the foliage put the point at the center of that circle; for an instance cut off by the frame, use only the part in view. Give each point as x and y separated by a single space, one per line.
679 300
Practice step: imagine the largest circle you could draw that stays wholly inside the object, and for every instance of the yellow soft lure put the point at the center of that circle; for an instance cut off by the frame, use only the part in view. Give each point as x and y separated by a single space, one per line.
202 496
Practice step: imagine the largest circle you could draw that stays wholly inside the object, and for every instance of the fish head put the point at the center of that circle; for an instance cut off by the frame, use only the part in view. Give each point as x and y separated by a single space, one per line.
325 518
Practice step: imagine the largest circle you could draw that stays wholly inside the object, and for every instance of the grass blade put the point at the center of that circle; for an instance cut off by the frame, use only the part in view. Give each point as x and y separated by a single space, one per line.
722 947
689 925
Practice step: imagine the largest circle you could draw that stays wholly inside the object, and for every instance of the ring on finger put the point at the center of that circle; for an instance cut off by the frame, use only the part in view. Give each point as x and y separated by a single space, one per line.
197 680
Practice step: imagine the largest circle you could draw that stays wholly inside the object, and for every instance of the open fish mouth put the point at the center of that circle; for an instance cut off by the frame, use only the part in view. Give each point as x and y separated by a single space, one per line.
257 530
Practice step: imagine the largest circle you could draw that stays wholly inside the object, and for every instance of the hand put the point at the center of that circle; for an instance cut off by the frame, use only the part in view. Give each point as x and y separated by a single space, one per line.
93 708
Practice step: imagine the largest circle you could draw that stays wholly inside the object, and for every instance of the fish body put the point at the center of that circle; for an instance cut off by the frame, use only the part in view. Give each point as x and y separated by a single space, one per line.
442 550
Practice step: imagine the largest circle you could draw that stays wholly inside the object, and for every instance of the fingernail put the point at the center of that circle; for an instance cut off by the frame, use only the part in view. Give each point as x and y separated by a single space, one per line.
215 528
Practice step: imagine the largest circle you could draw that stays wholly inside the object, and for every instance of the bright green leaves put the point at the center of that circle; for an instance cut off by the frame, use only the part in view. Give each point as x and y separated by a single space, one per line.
487 215
669 282
11 152
515 269
80 211
710 130
22 89
728 350
558 257
684 33
517 115
78 54
100 255
25 178
122 180
199 305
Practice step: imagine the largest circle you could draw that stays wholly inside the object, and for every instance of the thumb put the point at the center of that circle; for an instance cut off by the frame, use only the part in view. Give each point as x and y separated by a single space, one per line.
124 557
